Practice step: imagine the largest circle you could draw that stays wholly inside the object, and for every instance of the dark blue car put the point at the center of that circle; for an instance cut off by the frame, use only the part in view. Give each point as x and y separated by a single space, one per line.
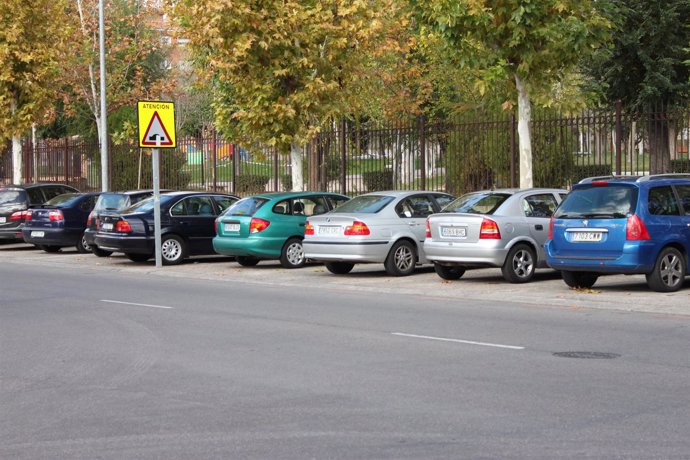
630 225
60 222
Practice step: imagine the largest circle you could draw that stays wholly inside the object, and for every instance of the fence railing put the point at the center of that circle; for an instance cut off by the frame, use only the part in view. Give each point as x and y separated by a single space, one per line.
456 156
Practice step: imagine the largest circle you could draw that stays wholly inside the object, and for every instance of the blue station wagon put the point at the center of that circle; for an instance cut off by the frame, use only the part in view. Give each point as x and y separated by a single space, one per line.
623 225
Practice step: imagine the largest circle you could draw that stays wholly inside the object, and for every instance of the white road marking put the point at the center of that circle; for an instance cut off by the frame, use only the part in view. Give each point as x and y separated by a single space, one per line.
136 304
469 342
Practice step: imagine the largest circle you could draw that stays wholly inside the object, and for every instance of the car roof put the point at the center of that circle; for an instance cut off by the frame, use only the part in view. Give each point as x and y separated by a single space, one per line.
639 180
135 192
28 186
401 193
286 195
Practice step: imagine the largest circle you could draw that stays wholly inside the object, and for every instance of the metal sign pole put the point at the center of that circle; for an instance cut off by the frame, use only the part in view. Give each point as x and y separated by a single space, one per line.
157 205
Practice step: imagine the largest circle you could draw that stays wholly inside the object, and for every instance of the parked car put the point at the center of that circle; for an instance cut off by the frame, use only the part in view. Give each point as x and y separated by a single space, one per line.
378 227
60 222
110 202
492 228
15 201
630 225
271 226
187 226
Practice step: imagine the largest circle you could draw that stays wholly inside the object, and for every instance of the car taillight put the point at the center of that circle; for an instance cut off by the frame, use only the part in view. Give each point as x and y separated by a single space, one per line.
21 215
89 219
635 229
489 230
308 229
56 216
357 229
551 228
122 226
257 225
428 229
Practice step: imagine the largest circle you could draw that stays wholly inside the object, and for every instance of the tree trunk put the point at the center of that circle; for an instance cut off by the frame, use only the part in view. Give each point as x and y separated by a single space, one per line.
659 154
296 164
524 136
17 165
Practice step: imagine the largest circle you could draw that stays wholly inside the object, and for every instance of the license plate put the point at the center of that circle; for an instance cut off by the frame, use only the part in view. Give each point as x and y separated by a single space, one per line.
107 227
231 227
329 230
38 234
586 237
454 232
3 220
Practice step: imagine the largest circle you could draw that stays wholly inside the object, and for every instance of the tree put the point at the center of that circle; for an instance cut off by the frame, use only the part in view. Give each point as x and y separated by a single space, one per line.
136 58
32 37
281 69
532 44
647 67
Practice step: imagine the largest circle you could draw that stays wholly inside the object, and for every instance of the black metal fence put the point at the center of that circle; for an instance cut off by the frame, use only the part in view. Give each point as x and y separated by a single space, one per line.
469 153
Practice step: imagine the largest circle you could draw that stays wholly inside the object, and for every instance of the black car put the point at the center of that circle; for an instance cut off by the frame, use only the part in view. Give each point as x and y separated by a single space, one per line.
60 222
109 202
187 226
15 201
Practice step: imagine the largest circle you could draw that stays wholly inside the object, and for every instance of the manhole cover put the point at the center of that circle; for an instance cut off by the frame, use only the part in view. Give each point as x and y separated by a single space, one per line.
586 355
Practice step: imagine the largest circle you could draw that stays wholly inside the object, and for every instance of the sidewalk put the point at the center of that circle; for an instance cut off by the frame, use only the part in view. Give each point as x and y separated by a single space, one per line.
619 292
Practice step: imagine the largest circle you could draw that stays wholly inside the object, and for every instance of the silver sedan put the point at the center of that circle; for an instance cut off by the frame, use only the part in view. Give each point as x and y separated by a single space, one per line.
378 227
492 228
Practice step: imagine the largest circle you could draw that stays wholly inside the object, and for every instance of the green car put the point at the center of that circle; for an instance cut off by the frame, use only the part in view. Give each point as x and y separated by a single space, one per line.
270 226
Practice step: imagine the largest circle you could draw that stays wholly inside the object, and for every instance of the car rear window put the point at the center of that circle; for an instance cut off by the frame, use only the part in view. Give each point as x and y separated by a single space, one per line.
245 207
603 202
12 196
112 202
66 199
366 204
477 203
146 205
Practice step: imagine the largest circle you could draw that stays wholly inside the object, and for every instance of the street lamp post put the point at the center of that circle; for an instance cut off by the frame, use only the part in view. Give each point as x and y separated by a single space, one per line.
105 186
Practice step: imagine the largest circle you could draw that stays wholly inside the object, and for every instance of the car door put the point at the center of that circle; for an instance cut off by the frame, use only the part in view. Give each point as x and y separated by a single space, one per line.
538 208
414 210
194 217
683 192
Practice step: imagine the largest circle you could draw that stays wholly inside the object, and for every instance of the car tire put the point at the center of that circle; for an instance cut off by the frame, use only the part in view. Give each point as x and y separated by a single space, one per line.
51 249
669 271
577 280
339 268
82 246
449 273
246 261
401 259
98 252
292 254
138 257
520 264
173 250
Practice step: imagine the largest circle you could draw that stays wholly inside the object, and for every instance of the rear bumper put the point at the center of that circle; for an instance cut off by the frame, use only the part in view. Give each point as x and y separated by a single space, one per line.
126 244
90 236
636 258
11 234
484 253
52 236
262 248
375 251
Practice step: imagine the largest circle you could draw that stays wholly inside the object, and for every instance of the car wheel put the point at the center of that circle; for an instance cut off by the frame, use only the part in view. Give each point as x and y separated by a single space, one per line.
339 268
98 252
246 261
138 257
449 273
669 271
173 250
401 259
51 249
82 246
292 255
579 279
520 264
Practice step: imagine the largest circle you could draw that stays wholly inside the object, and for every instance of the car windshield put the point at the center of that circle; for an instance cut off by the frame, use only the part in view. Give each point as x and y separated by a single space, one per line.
64 200
112 202
10 196
612 201
365 204
477 203
246 206
146 205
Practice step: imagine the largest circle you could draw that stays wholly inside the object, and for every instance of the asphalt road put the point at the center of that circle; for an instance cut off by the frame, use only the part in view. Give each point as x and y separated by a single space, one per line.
102 358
